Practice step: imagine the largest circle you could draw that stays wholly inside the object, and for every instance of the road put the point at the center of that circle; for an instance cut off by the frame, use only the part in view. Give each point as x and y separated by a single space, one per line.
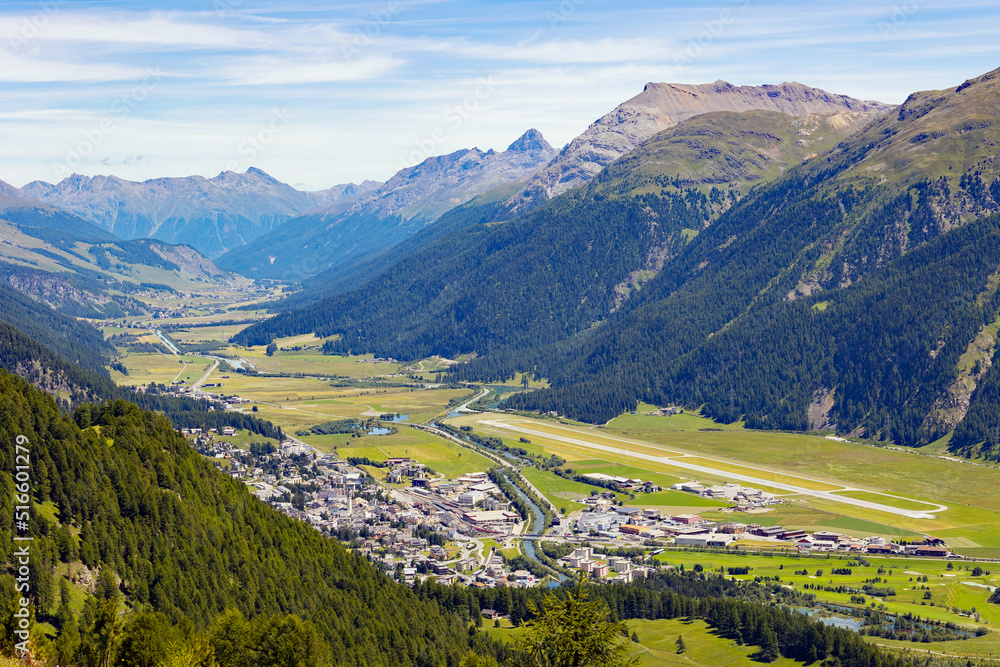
725 474
204 376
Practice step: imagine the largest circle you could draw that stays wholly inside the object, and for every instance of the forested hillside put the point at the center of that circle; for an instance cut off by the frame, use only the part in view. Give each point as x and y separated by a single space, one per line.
833 298
73 340
187 553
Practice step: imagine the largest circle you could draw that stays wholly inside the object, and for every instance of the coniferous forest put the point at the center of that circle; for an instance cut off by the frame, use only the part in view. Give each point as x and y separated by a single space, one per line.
191 554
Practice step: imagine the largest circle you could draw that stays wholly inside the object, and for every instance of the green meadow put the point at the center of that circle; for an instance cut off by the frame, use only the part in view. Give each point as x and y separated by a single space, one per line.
442 456
951 597
658 644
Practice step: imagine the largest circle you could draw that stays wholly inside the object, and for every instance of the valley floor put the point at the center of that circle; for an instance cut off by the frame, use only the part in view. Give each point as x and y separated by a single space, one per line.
818 483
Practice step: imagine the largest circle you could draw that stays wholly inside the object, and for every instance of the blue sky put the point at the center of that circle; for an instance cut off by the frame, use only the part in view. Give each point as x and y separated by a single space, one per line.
321 93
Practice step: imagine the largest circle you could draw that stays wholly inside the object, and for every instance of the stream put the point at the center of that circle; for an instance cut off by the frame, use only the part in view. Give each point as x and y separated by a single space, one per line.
538 523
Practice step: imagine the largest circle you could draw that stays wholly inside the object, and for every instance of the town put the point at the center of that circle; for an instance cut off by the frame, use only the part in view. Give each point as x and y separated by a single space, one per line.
416 524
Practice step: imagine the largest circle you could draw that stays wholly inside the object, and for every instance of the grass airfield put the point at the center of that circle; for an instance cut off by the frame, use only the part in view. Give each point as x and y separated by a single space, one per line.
930 495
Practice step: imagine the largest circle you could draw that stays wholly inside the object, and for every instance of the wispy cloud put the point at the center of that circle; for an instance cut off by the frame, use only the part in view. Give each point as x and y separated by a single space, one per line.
273 71
367 79
27 69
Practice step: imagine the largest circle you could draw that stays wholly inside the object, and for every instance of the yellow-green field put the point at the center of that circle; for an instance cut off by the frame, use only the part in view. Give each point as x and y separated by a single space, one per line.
296 403
303 361
161 368
222 333
298 390
440 455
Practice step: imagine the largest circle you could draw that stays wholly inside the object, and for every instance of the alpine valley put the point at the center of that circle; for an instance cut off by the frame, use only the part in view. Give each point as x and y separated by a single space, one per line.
715 383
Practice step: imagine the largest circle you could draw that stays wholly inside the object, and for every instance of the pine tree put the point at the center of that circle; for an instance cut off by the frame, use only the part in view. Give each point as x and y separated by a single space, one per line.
681 646
769 649
574 632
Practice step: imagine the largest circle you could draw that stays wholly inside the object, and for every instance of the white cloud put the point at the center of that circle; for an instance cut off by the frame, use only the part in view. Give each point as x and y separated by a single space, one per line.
155 30
274 71
605 50
24 69
364 90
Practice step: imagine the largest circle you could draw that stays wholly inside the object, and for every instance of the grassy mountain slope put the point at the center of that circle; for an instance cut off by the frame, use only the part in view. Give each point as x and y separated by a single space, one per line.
728 150
661 106
83 271
25 242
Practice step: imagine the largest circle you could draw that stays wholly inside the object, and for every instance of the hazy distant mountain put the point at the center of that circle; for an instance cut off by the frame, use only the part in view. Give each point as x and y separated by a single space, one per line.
211 215
412 198
658 107
17 207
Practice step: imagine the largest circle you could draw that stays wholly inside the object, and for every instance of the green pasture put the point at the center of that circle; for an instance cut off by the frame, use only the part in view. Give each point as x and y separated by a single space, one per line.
948 587
443 456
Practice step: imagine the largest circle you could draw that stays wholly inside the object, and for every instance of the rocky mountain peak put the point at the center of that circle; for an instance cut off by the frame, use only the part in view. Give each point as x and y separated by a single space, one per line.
661 106
532 140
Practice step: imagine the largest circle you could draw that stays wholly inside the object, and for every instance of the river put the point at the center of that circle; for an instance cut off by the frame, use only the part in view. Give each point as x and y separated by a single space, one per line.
538 524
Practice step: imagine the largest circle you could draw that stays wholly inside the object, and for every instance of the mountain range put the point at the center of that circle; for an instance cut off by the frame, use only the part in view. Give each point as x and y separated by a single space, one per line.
660 106
344 239
211 215
366 227
849 285
574 260
733 260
